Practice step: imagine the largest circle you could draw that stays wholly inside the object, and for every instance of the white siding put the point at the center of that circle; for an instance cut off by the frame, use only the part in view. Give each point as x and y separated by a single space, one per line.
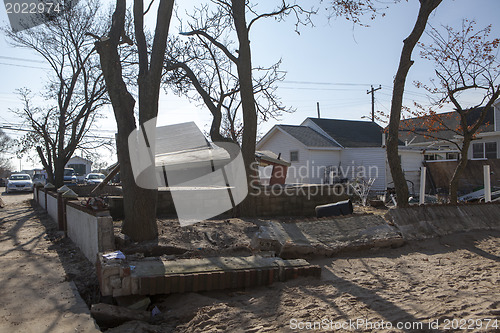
283 143
319 160
368 162
411 161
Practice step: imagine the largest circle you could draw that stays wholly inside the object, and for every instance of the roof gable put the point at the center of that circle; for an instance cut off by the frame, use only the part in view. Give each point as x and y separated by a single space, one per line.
308 136
351 133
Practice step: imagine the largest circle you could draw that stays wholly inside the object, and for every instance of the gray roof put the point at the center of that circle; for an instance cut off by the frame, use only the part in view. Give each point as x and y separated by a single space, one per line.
308 136
415 130
351 133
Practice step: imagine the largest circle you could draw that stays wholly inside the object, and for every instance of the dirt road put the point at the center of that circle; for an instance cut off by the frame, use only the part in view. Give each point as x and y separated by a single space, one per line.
34 292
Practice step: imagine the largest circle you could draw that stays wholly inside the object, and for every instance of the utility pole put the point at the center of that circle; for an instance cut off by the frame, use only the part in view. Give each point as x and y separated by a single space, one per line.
372 91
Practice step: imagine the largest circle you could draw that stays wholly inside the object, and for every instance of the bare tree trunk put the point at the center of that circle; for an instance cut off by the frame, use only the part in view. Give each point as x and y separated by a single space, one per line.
249 136
244 67
139 203
462 164
405 62
59 172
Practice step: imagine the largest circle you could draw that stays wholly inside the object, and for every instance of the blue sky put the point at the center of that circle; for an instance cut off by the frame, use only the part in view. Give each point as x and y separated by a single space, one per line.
333 63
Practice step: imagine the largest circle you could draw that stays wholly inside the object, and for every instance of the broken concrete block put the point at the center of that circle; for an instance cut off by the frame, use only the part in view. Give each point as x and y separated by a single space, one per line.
108 315
115 282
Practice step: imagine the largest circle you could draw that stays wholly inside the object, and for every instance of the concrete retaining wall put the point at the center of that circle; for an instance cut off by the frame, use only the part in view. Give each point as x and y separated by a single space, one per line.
90 231
52 205
41 198
428 221
274 200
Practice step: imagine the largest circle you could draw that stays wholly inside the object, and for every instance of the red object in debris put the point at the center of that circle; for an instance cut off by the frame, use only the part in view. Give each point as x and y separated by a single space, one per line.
278 175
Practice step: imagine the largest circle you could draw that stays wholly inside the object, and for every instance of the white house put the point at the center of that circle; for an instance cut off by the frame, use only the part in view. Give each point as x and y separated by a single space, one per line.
418 148
81 166
328 150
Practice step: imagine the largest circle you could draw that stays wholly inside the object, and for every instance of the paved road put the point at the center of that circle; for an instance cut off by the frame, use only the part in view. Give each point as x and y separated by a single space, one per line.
34 296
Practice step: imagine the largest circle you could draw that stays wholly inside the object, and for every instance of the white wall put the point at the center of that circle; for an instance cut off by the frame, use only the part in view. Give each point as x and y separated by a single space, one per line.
283 143
371 162
92 234
411 161
319 160
52 207
41 199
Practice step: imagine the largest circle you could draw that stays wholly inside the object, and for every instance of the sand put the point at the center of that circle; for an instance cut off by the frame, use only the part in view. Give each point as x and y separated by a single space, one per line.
438 283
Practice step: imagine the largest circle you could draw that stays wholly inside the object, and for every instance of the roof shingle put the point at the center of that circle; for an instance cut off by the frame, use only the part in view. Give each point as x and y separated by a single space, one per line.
308 136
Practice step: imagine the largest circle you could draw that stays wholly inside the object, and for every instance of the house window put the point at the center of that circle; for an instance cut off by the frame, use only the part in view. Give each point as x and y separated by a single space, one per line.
484 150
294 156
490 149
452 156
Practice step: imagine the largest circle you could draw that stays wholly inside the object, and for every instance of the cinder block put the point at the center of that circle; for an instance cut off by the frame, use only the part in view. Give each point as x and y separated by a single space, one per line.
127 285
125 271
115 282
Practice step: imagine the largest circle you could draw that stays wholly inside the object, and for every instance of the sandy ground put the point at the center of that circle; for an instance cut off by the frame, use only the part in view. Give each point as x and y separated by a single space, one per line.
444 284
451 282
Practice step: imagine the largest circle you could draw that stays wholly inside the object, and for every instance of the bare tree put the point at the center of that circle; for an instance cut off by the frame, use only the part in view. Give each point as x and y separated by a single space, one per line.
405 62
75 90
197 68
466 61
139 203
234 13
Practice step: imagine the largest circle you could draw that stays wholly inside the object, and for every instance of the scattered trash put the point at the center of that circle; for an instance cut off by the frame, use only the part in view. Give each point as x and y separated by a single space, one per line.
114 255
95 203
334 209
155 311
362 188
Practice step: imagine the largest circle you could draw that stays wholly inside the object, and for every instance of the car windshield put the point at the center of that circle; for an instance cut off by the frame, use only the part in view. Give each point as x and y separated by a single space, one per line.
94 177
19 177
69 172
38 176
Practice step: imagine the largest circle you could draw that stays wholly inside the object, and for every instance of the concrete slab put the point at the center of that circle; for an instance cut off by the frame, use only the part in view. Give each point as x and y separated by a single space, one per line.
150 276
35 297
429 221
326 237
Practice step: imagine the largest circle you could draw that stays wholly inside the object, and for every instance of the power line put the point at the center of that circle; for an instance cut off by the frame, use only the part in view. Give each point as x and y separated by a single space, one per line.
24 66
10 128
21 59
327 83
329 89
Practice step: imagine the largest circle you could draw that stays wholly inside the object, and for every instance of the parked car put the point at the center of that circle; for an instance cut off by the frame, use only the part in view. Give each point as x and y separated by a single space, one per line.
69 176
94 178
19 182
39 179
